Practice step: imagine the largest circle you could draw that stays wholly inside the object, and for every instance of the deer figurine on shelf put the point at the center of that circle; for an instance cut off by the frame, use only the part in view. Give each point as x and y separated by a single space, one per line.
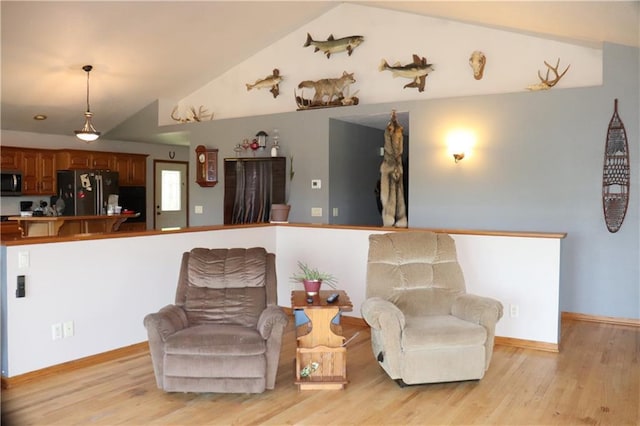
545 83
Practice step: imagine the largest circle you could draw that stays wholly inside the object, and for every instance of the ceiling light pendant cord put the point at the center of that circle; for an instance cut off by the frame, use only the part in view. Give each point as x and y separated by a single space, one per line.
85 68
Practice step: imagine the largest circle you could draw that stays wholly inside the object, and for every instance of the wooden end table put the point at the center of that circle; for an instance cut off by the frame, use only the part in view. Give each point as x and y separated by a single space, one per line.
323 341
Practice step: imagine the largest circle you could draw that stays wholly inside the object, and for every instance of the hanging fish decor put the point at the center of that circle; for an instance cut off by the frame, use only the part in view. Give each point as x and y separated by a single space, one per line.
273 81
334 45
416 70
615 174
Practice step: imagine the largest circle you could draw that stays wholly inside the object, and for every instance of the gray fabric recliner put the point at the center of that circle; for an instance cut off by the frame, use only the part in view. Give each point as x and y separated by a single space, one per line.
224 332
425 328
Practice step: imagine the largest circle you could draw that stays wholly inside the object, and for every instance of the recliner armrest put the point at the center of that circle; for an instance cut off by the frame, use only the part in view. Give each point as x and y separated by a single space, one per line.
166 321
271 316
387 322
376 311
477 309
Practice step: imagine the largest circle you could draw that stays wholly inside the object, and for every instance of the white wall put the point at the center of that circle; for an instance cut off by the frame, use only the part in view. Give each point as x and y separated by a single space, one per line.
393 36
107 286
515 270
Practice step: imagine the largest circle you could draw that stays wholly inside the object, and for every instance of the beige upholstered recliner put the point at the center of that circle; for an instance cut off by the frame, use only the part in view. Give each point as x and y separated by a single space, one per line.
425 328
224 332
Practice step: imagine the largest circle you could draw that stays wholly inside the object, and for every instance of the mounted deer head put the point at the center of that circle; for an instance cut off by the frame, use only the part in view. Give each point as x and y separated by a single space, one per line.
545 83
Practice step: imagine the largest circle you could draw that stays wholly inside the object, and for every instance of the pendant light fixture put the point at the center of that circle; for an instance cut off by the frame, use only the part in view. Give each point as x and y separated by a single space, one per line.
88 132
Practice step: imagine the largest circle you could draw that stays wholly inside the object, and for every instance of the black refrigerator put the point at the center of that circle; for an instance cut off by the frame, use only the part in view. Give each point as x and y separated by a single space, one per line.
87 192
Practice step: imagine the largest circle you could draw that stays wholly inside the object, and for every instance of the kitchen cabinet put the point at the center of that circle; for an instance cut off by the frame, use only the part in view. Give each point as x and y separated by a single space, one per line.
70 159
133 227
38 172
11 158
132 169
9 230
39 166
102 160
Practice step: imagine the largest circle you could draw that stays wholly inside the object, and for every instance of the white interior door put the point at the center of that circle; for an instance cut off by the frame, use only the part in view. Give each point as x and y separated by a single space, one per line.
170 196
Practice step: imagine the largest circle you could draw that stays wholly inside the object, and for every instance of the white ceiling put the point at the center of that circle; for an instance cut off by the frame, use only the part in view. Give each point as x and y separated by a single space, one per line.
143 51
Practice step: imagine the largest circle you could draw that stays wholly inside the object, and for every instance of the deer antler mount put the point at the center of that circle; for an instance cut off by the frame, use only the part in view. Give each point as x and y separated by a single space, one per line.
192 115
545 83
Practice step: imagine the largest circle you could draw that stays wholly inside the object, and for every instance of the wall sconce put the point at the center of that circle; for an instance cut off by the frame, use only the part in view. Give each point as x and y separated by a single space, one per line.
459 143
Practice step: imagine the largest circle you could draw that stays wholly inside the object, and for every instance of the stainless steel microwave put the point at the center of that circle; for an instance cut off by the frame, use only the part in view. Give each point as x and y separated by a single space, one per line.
11 183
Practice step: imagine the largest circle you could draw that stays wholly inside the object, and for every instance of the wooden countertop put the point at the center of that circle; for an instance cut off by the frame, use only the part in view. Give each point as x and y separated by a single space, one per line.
55 226
63 218
82 237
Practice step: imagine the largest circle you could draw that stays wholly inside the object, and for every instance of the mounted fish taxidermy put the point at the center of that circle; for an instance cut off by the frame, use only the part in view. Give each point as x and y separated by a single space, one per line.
272 81
329 92
192 115
545 83
417 70
477 62
334 45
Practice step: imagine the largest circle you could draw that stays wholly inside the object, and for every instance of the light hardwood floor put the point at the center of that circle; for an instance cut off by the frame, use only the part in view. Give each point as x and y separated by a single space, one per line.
595 379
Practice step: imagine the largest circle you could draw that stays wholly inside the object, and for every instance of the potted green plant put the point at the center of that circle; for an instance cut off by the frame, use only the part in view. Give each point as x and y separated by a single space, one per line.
311 278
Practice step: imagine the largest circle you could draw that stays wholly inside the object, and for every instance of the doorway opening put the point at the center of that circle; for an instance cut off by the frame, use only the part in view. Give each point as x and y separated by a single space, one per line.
355 157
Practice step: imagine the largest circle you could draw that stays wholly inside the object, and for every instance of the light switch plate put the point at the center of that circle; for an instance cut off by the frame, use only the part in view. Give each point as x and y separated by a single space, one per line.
316 211
67 329
316 183
23 259
199 210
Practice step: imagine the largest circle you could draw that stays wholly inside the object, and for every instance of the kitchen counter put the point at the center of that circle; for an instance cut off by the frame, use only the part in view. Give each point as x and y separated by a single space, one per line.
50 226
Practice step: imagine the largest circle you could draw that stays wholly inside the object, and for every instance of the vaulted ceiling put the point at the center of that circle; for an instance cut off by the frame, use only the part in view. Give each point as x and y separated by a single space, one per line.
144 51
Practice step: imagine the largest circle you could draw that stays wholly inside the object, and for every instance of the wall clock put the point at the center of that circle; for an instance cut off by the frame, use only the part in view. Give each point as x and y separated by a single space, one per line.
206 166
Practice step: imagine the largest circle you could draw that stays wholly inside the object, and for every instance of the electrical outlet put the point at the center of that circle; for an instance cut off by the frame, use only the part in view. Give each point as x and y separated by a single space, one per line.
56 331
67 329
199 210
316 211
514 311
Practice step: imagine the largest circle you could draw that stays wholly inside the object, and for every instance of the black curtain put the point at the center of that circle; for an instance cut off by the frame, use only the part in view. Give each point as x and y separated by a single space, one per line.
252 203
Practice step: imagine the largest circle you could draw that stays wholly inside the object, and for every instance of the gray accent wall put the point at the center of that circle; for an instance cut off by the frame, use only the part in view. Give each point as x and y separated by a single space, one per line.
537 166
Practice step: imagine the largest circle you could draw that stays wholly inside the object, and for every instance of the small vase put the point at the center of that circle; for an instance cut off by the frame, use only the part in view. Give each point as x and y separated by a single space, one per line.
312 287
